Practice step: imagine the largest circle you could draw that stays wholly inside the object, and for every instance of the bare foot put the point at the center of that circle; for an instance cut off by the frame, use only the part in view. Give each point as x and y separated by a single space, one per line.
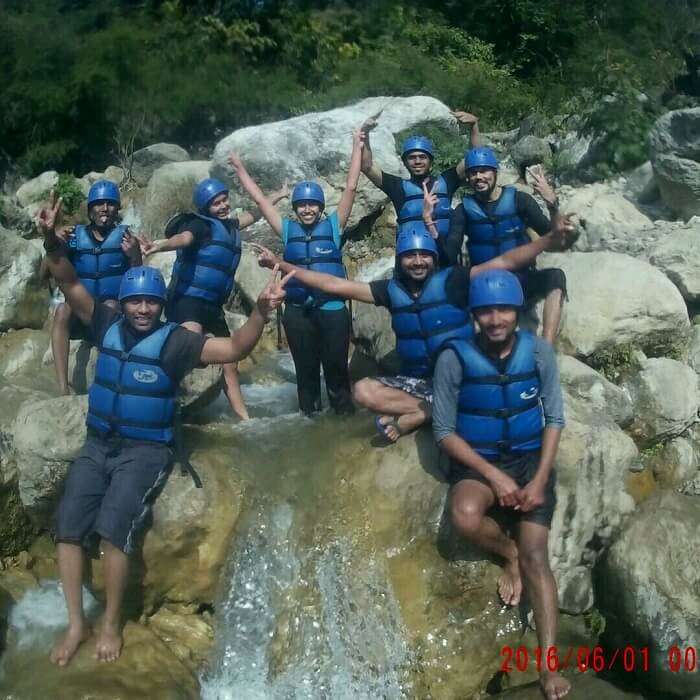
388 427
64 649
510 586
108 644
554 685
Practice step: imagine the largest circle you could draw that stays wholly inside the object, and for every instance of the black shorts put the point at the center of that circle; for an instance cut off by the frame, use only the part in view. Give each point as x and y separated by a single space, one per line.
110 490
522 471
537 284
77 330
210 316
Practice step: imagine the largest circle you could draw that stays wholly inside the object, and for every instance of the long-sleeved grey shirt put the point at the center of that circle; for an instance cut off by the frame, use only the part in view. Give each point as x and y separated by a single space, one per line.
447 380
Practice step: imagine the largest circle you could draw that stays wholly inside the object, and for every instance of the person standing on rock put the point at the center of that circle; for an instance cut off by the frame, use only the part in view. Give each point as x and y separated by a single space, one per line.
317 325
427 306
101 253
498 414
406 194
495 220
208 245
126 458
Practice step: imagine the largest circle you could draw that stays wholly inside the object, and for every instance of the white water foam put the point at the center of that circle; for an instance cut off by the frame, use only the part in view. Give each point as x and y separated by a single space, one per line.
377 269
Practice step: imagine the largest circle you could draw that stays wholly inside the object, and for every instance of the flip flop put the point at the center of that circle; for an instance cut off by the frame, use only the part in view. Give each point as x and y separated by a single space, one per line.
382 427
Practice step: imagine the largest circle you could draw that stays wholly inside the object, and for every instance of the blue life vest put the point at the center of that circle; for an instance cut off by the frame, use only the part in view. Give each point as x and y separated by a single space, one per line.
499 414
492 235
207 271
423 324
412 209
312 248
132 395
99 265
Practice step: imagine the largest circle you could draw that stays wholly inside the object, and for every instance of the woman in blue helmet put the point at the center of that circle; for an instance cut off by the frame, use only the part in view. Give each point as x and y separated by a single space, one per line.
101 253
317 325
208 245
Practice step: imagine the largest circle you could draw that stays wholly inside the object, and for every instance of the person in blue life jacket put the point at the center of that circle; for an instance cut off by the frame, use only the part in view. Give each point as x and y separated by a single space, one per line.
428 306
406 194
317 325
495 219
126 457
101 252
498 414
208 245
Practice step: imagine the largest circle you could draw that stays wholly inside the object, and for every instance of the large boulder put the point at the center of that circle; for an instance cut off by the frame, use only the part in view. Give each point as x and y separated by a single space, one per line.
641 185
694 347
36 189
372 332
678 256
23 297
647 588
530 150
666 398
586 385
675 154
616 300
317 147
169 192
147 160
675 463
21 352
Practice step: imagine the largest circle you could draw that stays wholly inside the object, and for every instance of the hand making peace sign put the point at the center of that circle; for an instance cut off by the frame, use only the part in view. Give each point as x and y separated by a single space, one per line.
273 295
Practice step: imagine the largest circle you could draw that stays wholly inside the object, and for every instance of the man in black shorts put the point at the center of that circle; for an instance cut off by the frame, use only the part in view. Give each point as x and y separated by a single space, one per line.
406 194
428 306
495 220
126 458
208 245
498 414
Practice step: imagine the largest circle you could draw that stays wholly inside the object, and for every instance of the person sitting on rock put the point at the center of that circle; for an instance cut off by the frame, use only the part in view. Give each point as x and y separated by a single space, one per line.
317 324
498 414
208 245
101 253
406 194
127 456
495 220
428 306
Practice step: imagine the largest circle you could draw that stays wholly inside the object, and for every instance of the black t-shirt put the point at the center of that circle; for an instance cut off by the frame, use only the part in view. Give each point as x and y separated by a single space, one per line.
199 228
392 187
525 205
182 351
456 286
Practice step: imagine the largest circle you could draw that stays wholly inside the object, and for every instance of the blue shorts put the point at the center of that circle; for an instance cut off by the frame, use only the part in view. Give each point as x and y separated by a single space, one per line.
110 490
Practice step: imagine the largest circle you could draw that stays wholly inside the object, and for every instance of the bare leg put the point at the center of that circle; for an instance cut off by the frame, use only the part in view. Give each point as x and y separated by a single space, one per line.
469 502
60 344
411 412
551 315
70 564
232 387
108 644
542 590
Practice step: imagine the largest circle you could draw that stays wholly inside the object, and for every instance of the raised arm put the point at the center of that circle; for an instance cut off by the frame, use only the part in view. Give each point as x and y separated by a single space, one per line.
372 171
267 208
58 265
247 218
179 240
346 201
337 286
474 136
242 341
131 247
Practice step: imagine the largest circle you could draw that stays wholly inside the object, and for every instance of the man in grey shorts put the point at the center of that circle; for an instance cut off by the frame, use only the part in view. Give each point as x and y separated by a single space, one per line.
498 414
131 407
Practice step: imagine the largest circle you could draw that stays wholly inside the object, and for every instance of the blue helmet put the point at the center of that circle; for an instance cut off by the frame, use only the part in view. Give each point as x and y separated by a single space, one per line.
306 191
142 281
103 190
480 158
495 288
415 237
417 143
205 191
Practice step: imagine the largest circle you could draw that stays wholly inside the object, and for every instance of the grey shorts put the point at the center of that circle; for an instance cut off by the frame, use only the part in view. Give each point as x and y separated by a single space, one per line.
110 490
522 471
420 388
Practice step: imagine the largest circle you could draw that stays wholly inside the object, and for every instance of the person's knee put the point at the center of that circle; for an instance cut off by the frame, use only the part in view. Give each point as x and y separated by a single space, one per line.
63 314
364 393
533 560
466 515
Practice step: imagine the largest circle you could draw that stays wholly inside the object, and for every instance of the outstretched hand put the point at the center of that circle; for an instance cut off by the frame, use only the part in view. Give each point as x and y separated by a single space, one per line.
266 258
48 215
371 123
273 295
430 199
130 244
564 232
234 160
541 186
465 117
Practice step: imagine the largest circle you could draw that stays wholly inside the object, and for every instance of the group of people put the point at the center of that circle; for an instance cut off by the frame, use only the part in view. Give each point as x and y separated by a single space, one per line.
490 388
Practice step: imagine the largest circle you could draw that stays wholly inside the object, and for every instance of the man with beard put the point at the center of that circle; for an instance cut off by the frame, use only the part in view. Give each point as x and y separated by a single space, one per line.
498 414
126 458
101 253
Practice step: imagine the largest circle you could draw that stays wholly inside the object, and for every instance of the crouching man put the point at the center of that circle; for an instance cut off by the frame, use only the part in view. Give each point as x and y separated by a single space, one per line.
498 414
126 458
